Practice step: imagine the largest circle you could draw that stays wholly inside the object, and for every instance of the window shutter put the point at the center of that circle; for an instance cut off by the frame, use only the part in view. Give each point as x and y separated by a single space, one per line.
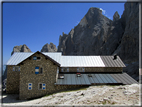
36 70
19 69
30 86
83 69
13 68
62 70
43 86
67 69
77 69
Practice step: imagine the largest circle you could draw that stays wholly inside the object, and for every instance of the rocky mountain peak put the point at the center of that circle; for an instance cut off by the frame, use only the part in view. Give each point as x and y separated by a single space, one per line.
95 10
21 48
49 48
116 16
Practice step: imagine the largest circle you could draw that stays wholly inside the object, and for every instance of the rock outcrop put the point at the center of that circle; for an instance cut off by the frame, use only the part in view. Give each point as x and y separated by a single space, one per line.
116 16
21 48
49 48
98 35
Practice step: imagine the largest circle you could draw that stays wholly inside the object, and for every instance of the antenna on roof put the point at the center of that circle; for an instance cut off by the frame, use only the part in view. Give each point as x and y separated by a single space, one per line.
115 57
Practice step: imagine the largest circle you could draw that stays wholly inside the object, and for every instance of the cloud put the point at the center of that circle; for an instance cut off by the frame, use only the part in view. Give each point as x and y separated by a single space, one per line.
104 11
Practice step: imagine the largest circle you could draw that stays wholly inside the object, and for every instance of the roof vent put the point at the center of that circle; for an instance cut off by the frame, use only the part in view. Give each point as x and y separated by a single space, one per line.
60 76
78 74
89 75
115 57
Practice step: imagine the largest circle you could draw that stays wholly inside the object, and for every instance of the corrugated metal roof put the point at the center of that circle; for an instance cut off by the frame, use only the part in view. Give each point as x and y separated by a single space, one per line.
110 62
54 55
124 78
72 79
18 57
71 61
81 61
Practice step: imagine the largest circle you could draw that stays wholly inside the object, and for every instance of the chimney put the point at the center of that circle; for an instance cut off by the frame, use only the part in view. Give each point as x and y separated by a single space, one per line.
115 57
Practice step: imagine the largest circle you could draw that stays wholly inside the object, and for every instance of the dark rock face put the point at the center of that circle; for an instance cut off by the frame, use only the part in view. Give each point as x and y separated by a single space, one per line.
49 48
98 35
89 34
21 48
116 16
133 70
129 50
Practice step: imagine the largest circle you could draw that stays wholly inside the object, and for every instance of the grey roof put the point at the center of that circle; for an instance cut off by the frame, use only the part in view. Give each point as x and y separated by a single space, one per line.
54 55
72 79
71 61
81 61
110 62
18 57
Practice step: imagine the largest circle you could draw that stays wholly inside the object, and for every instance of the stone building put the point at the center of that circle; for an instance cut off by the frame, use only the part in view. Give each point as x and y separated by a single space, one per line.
33 75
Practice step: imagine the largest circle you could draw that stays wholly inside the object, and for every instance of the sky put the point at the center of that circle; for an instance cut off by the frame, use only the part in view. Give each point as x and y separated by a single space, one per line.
36 24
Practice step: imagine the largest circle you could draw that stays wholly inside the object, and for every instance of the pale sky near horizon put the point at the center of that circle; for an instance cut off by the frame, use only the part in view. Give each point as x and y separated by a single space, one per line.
36 24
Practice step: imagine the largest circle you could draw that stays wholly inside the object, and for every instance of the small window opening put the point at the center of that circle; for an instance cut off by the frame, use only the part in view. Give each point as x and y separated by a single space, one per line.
16 68
42 86
64 69
34 58
38 58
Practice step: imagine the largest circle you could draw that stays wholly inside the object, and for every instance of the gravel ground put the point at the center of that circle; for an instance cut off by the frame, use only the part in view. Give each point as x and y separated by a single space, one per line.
94 95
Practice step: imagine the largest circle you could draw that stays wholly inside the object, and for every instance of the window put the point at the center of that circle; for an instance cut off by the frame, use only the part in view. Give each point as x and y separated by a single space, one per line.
41 70
65 70
36 58
38 70
13 68
42 86
61 69
80 69
16 68
29 86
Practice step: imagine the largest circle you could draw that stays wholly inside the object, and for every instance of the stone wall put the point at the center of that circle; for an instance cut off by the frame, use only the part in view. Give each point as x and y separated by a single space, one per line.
27 75
98 69
12 85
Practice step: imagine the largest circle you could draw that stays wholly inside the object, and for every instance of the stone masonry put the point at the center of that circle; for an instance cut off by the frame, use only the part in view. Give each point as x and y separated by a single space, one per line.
27 75
12 80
